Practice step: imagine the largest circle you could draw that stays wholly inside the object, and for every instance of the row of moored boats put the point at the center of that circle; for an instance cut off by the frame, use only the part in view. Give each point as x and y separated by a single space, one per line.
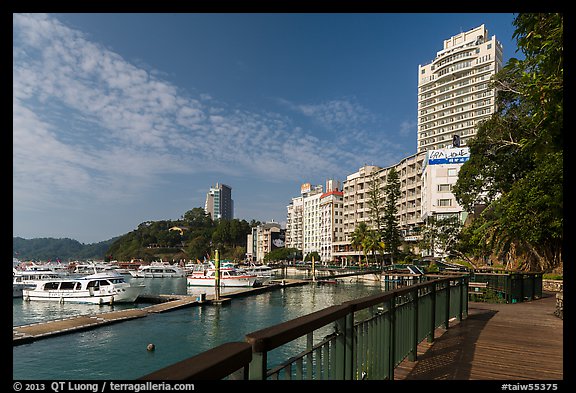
106 284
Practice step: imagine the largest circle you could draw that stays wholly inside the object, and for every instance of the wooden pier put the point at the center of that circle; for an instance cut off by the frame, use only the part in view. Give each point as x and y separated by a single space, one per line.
522 341
29 333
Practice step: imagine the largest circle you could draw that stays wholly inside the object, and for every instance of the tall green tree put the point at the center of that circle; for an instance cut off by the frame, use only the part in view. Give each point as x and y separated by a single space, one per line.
197 218
440 235
391 231
516 158
358 237
372 243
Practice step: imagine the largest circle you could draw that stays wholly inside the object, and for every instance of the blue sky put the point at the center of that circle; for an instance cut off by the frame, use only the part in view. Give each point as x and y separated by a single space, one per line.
124 118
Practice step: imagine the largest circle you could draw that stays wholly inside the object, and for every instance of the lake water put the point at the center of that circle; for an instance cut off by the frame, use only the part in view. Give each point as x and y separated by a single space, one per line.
118 351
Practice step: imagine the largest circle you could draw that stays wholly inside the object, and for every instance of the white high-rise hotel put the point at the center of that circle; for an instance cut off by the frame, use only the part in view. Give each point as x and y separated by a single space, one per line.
453 98
453 92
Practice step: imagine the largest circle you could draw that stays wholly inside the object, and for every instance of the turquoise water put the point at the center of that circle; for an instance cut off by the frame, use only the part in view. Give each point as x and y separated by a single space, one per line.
118 351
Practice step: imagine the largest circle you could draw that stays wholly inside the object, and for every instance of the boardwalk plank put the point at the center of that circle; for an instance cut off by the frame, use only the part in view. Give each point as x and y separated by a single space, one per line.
522 341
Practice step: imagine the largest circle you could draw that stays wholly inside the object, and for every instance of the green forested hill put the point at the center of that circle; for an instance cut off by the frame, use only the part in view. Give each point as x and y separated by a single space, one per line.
52 249
193 236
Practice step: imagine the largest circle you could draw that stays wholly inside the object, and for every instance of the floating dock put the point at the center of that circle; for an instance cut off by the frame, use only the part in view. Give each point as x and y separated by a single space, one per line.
28 333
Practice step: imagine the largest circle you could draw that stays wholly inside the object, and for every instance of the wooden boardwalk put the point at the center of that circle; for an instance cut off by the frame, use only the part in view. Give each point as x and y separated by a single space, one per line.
522 341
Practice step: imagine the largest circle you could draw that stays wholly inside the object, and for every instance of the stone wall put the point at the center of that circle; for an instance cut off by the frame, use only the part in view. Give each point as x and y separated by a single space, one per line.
552 285
559 312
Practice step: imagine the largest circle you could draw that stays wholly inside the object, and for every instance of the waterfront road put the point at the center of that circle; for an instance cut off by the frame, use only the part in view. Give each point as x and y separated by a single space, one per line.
521 341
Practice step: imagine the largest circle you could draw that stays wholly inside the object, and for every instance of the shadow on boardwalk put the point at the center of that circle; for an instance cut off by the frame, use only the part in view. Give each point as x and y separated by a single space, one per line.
522 341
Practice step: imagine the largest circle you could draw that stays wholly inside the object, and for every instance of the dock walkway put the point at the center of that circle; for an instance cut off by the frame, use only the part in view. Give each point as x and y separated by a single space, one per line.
29 333
522 341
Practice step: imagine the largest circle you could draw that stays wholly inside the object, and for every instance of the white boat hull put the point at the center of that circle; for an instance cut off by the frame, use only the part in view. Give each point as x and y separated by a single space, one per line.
224 282
120 295
18 290
156 275
158 271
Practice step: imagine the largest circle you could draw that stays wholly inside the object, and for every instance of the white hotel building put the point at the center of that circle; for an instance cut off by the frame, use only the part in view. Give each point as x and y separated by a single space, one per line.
453 98
453 89
314 219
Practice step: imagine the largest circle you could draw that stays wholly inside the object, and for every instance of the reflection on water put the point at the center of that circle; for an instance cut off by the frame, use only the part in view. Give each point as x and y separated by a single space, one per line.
118 351
27 312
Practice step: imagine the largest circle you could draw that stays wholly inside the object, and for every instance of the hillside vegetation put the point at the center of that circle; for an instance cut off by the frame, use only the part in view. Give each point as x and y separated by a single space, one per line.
193 236
44 249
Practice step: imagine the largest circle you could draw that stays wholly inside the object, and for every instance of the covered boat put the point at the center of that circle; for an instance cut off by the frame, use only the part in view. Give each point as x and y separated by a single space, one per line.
158 271
99 288
205 276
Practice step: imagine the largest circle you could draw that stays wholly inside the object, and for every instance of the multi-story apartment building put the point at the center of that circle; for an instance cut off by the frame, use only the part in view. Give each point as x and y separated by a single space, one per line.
295 223
356 210
219 203
252 245
453 98
263 239
311 219
453 90
356 201
409 204
440 173
331 219
314 219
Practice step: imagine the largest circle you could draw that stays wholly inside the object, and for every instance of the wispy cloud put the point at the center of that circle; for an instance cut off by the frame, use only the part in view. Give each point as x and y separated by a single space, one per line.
407 127
131 127
335 114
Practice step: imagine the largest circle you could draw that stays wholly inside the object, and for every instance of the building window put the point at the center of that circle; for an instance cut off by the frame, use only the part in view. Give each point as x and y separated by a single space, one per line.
444 202
444 187
452 172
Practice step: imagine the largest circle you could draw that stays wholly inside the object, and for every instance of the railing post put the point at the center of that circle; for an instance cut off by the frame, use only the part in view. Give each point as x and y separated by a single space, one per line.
350 350
392 339
433 316
258 366
341 350
461 302
309 345
447 313
508 287
414 352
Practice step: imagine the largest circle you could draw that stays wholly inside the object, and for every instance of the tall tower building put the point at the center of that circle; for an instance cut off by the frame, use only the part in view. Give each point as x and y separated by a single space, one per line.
219 203
453 90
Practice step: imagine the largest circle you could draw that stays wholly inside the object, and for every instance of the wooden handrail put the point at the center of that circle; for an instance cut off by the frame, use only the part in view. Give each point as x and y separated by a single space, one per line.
221 361
214 364
365 302
269 338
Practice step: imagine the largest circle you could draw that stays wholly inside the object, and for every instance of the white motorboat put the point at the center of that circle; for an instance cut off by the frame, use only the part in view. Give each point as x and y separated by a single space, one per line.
17 289
205 276
17 286
29 278
158 271
99 288
85 268
263 272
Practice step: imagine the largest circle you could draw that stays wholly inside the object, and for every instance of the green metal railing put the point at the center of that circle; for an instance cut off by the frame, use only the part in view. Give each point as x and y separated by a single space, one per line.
510 287
390 327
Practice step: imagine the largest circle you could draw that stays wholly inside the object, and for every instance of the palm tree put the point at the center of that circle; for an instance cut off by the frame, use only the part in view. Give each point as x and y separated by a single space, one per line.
369 244
373 243
358 238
